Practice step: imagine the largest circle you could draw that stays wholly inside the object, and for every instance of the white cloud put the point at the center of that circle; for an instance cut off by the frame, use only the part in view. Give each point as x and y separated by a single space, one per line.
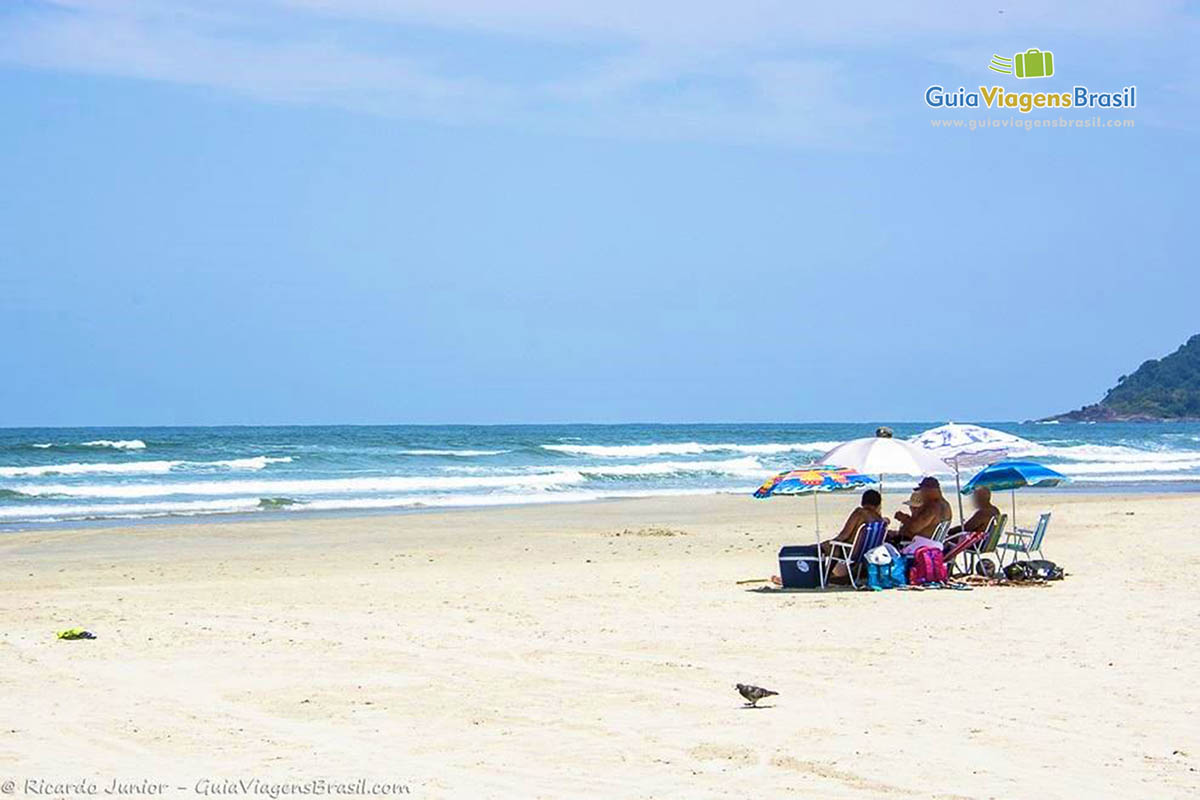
756 70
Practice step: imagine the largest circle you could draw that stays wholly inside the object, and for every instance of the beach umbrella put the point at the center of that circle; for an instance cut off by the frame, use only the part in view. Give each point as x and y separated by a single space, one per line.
1013 475
881 455
963 446
813 479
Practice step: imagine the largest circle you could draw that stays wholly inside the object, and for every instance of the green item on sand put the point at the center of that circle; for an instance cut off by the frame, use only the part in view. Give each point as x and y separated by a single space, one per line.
70 634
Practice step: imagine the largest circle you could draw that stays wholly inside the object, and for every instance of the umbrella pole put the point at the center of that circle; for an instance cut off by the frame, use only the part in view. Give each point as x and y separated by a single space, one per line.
817 517
1013 492
958 486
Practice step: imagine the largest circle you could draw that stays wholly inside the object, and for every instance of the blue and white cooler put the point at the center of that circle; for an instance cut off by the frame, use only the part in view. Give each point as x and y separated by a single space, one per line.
800 566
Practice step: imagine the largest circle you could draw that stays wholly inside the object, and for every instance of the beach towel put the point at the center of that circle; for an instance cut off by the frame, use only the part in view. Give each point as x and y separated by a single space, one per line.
917 543
71 634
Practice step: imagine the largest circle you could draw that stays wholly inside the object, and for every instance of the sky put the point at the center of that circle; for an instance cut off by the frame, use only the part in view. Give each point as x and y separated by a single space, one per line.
394 211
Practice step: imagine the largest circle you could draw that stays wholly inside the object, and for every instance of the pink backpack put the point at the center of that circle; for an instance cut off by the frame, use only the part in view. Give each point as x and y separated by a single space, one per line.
927 566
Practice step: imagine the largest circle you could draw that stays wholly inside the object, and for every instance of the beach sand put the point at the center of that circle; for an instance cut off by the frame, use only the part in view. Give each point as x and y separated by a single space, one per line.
591 651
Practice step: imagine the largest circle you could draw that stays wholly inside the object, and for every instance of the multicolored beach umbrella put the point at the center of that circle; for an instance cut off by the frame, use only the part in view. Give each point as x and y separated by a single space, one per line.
813 478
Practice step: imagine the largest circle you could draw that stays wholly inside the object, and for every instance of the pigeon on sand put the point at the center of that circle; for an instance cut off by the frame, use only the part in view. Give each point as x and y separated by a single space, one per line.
754 693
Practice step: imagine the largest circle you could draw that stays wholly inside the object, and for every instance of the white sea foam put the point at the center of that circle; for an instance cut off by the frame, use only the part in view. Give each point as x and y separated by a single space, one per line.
1137 477
463 500
743 467
747 465
685 449
140 467
69 513
252 463
303 487
129 468
120 444
459 453
1105 452
127 510
1144 467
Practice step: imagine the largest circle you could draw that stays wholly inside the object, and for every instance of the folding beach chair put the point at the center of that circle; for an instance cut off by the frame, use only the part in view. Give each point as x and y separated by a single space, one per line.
868 536
1024 542
964 544
939 533
982 545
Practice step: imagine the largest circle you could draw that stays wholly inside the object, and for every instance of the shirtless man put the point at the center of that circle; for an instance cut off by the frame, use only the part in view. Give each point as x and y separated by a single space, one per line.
985 512
868 511
932 511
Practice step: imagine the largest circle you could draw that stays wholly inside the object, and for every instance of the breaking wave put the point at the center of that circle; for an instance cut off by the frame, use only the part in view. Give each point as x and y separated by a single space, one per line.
302 487
184 508
457 453
140 467
685 449
748 467
120 444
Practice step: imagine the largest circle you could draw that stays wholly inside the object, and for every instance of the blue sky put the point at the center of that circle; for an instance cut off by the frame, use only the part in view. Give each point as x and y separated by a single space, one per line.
521 211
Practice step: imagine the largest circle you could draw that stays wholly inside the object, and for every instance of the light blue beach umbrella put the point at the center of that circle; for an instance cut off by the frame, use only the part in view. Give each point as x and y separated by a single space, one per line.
1013 475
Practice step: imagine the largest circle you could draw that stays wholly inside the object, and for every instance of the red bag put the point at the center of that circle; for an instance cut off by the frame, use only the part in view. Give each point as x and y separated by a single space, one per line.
928 566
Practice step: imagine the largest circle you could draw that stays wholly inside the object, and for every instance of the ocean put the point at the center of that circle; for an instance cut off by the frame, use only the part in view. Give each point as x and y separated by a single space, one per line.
55 476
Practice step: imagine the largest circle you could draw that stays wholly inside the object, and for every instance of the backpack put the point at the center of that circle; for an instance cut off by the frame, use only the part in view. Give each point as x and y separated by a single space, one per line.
1036 570
927 567
1045 570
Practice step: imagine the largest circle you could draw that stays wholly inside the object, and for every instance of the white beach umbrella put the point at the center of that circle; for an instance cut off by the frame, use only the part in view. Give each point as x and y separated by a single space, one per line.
962 446
878 455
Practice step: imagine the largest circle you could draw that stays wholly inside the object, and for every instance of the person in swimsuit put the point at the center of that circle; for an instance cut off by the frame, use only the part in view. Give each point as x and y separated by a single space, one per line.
985 512
932 511
870 510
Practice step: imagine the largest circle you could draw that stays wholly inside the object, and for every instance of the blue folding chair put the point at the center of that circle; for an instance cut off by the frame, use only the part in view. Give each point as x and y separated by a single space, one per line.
868 536
1020 542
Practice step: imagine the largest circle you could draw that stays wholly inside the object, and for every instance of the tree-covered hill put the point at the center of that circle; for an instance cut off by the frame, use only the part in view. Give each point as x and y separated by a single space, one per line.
1165 388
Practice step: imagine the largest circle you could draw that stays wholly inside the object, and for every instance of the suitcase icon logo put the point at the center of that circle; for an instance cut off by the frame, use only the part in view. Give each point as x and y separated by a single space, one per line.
1033 63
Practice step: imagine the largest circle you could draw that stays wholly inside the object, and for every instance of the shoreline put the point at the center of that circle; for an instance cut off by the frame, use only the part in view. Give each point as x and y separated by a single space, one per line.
298 512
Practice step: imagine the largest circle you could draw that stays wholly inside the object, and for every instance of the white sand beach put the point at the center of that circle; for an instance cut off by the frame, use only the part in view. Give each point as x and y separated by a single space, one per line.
591 651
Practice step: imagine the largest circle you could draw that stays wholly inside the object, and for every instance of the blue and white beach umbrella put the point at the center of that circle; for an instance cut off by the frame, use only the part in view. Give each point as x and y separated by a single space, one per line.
964 446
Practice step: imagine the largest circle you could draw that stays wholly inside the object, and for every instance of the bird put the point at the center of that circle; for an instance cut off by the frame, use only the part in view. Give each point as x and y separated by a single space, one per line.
753 694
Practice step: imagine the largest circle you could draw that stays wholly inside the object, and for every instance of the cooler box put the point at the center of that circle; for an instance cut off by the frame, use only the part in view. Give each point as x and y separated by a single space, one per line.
800 566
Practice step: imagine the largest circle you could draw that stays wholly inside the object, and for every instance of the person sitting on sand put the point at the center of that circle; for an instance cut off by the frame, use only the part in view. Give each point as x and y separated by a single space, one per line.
931 512
870 510
985 512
